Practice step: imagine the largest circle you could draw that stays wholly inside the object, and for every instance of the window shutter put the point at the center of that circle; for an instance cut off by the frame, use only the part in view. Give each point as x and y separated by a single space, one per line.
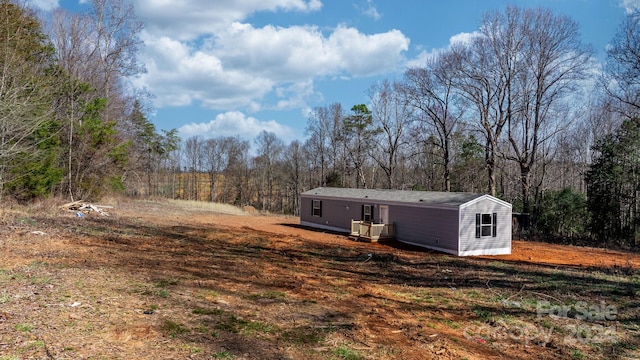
362 213
320 210
495 225
478 226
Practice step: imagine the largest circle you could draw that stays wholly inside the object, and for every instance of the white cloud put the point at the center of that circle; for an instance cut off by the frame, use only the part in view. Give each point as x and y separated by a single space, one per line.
630 5
463 38
362 55
206 53
294 96
235 123
300 52
242 64
188 20
179 75
45 5
284 54
370 10
424 56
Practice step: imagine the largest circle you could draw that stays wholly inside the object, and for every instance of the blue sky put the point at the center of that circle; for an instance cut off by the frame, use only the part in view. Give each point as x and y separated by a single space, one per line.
226 68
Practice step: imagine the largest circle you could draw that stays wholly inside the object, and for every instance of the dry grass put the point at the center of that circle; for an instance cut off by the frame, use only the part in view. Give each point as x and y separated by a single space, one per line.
165 279
207 206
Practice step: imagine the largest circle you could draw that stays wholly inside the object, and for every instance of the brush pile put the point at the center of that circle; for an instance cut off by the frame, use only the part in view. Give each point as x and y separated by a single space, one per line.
81 208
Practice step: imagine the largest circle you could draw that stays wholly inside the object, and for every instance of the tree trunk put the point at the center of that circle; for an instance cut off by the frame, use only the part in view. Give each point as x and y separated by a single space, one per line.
490 158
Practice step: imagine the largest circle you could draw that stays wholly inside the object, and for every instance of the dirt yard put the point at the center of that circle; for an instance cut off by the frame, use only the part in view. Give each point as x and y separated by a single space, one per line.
159 280
523 251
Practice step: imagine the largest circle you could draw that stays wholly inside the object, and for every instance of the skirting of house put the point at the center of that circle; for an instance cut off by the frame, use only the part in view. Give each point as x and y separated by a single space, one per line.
324 227
499 251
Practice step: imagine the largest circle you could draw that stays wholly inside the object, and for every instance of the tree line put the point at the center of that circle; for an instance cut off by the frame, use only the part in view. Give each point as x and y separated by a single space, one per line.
517 110
69 123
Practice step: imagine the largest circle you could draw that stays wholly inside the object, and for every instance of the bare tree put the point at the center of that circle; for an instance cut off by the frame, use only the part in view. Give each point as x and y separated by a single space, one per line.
326 148
175 167
553 62
519 72
115 29
622 78
69 33
293 165
193 156
98 49
235 188
337 145
214 162
269 150
391 115
431 91
477 76
318 129
101 48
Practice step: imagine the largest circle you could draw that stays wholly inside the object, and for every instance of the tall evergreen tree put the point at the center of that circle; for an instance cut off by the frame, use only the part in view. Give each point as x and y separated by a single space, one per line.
359 132
613 186
27 127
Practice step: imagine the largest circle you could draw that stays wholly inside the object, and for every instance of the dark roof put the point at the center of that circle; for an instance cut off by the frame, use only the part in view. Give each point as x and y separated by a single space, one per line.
404 196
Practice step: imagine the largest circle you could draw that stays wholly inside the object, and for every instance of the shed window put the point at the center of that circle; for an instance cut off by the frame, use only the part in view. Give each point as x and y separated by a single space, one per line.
486 225
316 208
367 212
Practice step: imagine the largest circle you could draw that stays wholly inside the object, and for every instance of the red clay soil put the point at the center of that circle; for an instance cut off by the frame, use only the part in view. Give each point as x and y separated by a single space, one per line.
119 289
551 254
522 251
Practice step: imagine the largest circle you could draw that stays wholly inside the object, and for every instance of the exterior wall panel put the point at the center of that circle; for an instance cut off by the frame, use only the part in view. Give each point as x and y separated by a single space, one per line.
489 245
428 227
336 213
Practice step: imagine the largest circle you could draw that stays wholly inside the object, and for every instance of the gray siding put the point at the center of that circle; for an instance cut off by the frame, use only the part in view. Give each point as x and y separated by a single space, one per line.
469 244
438 222
429 227
336 213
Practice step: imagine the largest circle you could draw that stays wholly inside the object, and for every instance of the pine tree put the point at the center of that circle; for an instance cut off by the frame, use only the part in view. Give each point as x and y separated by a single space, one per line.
613 186
28 130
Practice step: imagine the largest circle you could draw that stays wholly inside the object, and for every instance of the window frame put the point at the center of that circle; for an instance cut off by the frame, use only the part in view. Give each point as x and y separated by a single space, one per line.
484 222
367 217
486 225
316 208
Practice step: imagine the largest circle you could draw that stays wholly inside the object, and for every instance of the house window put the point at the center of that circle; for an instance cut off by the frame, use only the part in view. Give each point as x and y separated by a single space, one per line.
316 208
486 225
367 212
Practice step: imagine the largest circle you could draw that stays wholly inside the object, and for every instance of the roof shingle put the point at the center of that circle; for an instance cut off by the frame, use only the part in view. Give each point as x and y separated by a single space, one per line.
405 196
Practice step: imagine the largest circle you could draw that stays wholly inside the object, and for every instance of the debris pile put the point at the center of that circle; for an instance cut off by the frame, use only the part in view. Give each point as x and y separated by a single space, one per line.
81 208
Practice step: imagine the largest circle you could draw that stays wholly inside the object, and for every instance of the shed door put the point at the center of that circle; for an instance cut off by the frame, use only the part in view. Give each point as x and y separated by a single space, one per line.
383 214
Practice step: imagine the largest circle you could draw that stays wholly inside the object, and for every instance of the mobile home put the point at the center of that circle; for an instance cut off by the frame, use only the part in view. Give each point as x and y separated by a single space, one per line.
457 223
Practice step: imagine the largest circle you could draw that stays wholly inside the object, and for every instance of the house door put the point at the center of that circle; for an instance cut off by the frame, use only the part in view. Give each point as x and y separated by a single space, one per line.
383 214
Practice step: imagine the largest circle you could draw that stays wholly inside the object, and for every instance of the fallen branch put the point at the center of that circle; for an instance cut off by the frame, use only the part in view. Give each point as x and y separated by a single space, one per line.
519 291
71 204
86 207
549 296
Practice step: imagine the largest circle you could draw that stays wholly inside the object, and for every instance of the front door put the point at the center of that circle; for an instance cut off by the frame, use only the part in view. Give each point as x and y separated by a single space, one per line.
383 214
